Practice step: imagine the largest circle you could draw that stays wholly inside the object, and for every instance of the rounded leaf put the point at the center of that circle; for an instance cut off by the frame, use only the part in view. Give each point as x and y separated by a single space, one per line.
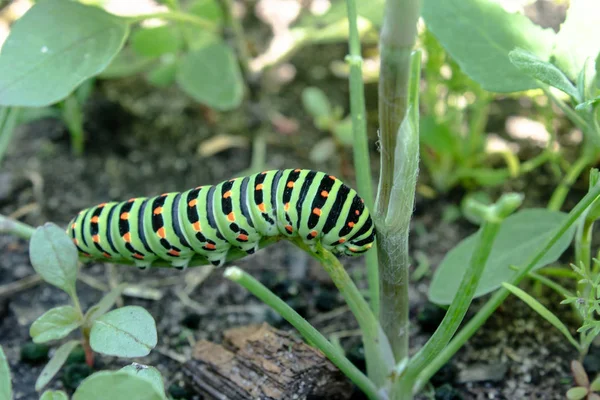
577 393
116 385
146 372
54 395
5 382
520 235
154 42
54 47
54 256
316 103
56 323
124 332
212 76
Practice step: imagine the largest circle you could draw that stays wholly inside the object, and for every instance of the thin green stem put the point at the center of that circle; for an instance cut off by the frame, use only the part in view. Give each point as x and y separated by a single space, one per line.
306 330
238 36
569 112
560 193
500 295
8 122
454 315
377 349
551 284
558 272
175 16
362 161
583 244
13 227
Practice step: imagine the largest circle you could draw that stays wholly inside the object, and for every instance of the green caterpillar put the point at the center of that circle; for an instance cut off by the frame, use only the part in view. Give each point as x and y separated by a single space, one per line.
211 220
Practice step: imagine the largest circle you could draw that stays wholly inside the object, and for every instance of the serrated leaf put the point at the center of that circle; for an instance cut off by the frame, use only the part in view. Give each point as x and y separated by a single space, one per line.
116 385
125 332
5 382
543 71
55 363
519 237
479 34
542 311
54 47
54 256
56 323
107 302
146 372
156 41
54 395
212 76
578 37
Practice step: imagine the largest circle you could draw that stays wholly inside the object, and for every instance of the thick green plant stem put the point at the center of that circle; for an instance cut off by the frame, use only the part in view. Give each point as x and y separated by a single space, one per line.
362 163
306 330
12 227
393 211
500 295
8 122
454 315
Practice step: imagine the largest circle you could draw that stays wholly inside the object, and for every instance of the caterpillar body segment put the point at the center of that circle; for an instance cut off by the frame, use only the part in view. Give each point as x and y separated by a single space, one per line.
238 213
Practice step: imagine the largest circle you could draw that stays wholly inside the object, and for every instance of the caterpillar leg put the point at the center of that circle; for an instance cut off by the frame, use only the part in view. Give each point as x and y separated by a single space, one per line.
142 264
181 263
217 259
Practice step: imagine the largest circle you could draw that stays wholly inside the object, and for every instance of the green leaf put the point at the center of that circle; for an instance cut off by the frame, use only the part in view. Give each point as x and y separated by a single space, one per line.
146 372
479 34
55 363
56 323
164 74
154 42
107 302
542 311
543 71
519 237
127 63
587 104
207 9
316 103
212 76
116 385
54 47
125 332
54 395
5 383
578 37
343 132
577 393
595 386
54 256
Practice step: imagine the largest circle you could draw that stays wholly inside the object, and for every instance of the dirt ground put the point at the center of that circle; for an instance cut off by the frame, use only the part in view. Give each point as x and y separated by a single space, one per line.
142 141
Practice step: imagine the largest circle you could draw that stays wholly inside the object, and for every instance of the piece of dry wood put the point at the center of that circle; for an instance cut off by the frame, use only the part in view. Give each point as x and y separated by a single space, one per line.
261 362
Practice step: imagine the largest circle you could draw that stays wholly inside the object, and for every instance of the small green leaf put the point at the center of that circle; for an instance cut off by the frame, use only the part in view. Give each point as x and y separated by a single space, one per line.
519 237
595 386
55 363
481 49
146 372
5 382
543 71
316 103
56 323
207 9
164 74
578 37
212 76
116 385
154 42
542 311
125 332
54 395
54 256
107 302
54 47
577 393
586 104
343 132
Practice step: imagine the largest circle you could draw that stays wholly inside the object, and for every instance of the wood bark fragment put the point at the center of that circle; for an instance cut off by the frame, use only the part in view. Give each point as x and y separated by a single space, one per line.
261 362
